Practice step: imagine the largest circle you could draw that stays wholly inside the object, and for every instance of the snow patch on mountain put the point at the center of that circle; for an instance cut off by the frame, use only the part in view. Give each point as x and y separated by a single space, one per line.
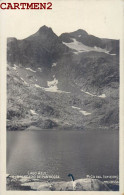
85 112
52 83
54 89
78 52
80 47
40 69
81 111
76 107
15 67
24 81
30 69
33 112
112 54
52 86
101 96
54 64
88 93
38 86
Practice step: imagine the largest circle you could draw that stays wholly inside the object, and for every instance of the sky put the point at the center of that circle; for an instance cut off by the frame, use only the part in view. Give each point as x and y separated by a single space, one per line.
102 18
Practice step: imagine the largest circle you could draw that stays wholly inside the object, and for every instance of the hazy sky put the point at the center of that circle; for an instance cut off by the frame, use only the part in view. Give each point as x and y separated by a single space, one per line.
102 18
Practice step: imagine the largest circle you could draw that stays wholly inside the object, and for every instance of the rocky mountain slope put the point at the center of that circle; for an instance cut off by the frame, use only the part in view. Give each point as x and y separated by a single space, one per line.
65 82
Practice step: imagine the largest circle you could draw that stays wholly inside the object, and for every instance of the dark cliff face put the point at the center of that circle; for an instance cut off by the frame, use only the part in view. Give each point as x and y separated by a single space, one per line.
40 49
71 81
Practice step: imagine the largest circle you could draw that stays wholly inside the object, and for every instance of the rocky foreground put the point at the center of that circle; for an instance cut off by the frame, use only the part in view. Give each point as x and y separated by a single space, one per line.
86 184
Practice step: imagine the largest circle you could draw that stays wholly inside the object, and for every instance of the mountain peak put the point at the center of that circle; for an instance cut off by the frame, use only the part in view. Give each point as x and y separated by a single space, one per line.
43 33
80 31
45 29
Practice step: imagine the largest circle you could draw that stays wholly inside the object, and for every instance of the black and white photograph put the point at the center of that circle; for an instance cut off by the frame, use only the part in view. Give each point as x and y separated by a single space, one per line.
63 97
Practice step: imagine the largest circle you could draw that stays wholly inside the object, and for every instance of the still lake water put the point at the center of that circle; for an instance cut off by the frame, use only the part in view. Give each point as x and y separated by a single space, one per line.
62 152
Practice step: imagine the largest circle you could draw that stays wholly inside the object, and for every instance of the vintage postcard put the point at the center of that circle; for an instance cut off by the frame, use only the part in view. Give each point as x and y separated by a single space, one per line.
61 96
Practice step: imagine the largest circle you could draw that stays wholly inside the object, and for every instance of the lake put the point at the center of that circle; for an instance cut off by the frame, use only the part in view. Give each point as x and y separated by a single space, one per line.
60 152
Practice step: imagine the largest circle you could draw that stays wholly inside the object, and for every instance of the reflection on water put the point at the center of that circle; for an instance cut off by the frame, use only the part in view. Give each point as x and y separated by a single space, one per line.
62 152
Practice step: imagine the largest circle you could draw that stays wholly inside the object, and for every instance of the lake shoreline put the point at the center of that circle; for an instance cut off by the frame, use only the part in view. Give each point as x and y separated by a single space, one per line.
37 128
31 184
